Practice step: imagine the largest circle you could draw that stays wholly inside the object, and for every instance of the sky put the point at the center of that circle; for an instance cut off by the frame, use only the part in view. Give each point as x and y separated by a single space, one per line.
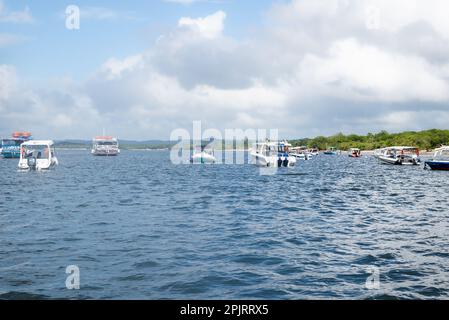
141 69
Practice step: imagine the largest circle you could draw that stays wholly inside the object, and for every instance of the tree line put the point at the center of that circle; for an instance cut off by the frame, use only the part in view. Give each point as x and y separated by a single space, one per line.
425 140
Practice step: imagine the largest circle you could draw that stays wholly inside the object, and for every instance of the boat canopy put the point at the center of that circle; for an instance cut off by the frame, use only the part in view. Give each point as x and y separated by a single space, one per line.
105 138
442 152
38 143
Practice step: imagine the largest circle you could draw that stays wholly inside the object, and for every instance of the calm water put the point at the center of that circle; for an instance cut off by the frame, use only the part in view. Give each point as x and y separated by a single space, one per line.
139 227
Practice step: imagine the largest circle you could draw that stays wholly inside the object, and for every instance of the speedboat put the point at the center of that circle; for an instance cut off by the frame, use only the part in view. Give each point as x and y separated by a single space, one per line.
332 151
398 155
300 153
105 146
205 156
10 148
355 153
37 155
272 154
440 160
313 152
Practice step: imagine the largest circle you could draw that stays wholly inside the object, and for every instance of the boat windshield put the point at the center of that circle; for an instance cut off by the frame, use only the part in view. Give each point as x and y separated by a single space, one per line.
11 142
442 154
106 143
38 151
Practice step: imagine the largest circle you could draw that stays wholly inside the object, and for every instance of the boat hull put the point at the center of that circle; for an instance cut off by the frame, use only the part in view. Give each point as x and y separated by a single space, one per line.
437 165
398 161
203 158
105 153
273 161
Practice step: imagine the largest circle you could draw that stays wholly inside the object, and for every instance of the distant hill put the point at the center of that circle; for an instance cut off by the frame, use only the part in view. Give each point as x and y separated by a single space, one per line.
124 144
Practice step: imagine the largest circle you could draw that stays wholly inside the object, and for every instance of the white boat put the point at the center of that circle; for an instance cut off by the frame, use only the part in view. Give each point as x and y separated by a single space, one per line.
272 154
37 155
313 152
300 153
105 146
355 153
398 155
206 156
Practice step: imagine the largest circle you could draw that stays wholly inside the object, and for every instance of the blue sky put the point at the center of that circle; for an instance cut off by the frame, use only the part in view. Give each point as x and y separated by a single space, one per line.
142 69
48 49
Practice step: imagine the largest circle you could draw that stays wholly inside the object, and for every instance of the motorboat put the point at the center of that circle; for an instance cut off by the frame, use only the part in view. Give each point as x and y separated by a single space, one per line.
105 146
398 155
300 153
332 151
313 152
272 154
37 155
204 156
10 147
355 153
440 160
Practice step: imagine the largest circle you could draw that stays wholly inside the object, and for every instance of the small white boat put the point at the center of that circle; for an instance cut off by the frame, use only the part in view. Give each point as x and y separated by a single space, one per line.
272 154
37 155
398 155
313 152
300 153
355 153
105 146
206 156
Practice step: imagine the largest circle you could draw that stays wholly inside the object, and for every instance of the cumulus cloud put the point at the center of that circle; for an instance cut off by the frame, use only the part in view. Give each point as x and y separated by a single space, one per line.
209 27
316 67
23 16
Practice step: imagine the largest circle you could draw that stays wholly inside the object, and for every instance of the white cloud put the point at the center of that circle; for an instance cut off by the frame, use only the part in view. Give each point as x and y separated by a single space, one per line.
7 39
8 82
210 27
23 16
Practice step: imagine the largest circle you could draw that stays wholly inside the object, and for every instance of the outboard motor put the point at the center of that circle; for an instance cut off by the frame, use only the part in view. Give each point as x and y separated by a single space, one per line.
32 162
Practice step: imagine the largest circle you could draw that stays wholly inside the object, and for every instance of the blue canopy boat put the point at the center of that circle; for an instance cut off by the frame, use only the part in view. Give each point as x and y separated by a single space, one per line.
440 160
332 151
11 147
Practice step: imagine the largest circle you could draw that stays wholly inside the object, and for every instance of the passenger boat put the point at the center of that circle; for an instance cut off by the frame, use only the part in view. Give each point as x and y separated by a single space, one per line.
355 153
37 155
440 160
273 154
332 151
205 156
300 153
11 147
105 146
398 155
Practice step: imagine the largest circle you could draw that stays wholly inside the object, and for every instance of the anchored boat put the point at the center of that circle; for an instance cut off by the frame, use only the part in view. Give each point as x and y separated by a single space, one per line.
440 160
355 153
37 155
105 146
398 155
205 156
313 152
273 154
332 151
300 153
11 147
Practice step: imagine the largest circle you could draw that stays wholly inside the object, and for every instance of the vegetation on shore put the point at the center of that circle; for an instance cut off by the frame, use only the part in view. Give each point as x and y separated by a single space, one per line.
425 140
